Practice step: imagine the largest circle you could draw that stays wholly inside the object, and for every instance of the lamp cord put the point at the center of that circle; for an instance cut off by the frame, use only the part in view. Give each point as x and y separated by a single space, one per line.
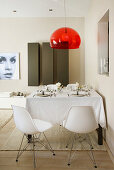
65 15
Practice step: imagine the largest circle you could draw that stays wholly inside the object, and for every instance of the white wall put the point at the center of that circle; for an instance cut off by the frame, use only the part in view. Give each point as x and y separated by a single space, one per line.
15 33
102 83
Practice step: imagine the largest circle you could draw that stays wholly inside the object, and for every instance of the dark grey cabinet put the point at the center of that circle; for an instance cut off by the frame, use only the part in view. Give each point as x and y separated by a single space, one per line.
33 64
55 65
61 66
47 67
47 64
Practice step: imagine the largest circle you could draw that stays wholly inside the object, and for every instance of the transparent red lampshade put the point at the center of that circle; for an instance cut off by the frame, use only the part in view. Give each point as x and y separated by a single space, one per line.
65 38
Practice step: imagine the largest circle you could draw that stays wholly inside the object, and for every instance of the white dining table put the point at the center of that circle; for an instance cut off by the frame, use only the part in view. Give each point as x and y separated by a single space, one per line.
55 108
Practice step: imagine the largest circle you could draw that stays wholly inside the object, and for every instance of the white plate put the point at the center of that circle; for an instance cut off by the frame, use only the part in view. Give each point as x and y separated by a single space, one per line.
79 95
43 95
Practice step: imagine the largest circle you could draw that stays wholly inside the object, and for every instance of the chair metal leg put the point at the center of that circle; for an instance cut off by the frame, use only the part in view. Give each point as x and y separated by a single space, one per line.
91 147
70 152
49 144
33 140
89 141
93 158
19 149
69 142
38 136
34 159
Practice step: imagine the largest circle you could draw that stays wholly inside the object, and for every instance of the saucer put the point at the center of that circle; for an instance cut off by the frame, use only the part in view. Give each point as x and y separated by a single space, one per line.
43 95
79 95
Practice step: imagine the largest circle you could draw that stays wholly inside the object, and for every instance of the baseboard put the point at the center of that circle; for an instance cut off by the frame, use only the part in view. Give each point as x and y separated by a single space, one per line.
109 152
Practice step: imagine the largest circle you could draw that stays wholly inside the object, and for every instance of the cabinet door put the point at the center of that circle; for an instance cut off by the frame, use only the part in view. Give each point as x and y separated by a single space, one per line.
33 64
61 66
47 64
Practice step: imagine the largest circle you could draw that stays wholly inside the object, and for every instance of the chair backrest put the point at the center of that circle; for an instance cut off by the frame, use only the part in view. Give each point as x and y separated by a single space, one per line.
23 120
81 119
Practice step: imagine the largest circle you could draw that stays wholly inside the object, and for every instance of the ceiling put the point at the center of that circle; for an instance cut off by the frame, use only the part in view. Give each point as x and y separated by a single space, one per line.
40 8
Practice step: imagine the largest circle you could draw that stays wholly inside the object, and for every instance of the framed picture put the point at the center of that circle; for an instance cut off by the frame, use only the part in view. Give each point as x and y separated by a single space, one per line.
103 44
9 66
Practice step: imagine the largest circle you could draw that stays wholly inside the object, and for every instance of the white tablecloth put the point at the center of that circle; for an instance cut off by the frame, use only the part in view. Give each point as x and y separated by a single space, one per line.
55 109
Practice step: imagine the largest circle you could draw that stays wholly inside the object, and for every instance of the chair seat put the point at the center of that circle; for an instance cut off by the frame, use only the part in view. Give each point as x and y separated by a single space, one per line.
42 125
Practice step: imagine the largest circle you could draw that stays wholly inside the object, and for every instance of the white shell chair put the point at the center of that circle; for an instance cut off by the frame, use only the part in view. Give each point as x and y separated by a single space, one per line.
80 120
30 127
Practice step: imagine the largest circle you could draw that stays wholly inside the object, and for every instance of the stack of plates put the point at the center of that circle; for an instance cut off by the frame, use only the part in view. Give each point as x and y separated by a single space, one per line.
43 95
79 95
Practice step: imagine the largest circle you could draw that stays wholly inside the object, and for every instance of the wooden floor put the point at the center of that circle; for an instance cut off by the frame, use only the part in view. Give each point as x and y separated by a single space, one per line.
46 161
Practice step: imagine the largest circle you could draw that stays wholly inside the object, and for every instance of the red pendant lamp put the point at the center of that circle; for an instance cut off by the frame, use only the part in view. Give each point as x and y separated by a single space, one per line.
65 38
